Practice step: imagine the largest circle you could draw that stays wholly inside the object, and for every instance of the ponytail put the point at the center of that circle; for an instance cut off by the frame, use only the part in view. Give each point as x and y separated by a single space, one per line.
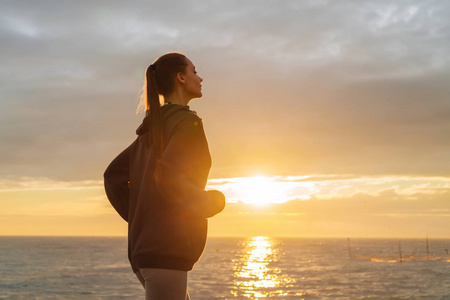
154 110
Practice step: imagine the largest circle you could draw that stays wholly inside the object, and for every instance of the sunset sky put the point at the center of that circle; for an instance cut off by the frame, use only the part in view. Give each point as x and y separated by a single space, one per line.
324 118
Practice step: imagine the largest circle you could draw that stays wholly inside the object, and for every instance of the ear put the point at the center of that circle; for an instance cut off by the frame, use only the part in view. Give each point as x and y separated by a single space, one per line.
180 77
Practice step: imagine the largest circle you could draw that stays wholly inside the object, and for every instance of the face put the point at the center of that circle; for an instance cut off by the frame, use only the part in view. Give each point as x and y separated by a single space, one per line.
192 82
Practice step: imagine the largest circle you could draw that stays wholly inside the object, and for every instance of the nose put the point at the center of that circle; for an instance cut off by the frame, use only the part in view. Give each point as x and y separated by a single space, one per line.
201 79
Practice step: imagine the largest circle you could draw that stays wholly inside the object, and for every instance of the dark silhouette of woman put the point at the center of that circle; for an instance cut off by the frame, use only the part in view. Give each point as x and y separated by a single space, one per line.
158 183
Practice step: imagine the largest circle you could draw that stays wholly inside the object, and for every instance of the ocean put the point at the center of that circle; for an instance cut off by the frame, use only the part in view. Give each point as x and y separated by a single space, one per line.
232 268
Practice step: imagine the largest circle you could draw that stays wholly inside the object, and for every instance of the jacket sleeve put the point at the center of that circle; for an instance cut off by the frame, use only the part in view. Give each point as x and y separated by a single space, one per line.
171 174
116 179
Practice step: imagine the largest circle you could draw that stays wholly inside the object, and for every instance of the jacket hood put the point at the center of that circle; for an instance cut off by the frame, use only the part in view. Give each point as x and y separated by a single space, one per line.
166 111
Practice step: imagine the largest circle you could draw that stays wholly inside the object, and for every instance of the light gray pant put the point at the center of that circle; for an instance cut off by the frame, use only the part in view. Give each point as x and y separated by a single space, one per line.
164 284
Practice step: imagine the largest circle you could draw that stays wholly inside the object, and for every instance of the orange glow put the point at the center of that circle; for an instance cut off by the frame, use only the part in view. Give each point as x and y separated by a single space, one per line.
312 206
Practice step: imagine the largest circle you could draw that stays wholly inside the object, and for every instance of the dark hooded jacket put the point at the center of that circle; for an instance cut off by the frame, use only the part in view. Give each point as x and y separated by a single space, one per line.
164 200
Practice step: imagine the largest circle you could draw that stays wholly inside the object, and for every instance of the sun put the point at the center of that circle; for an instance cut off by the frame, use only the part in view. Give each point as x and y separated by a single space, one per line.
259 190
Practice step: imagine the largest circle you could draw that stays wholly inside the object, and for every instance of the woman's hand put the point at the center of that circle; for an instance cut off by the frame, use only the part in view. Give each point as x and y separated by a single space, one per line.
218 201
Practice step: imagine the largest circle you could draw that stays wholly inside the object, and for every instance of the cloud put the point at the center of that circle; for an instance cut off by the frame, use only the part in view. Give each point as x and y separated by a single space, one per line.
280 189
399 215
297 88
46 184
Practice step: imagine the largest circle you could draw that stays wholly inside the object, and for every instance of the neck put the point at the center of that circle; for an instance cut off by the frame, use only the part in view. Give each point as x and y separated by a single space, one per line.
177 98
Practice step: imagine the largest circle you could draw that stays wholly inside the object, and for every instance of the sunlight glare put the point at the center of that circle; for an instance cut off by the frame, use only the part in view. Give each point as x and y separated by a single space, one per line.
255 268
255 277
260 190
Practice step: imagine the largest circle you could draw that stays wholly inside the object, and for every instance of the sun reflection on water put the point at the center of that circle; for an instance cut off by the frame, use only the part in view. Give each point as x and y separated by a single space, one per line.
254 277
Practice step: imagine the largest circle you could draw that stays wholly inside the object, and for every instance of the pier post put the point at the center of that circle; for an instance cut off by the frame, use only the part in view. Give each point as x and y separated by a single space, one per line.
349 249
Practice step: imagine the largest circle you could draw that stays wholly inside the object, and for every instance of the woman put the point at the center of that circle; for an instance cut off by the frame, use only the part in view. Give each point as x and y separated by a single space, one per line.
158 183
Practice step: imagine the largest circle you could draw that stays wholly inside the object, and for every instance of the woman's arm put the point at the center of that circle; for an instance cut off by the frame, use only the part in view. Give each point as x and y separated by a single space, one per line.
180 158
117 182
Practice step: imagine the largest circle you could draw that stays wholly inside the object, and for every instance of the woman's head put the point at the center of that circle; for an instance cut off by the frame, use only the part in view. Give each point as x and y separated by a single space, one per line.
172 76
160 78
163 77
166 69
